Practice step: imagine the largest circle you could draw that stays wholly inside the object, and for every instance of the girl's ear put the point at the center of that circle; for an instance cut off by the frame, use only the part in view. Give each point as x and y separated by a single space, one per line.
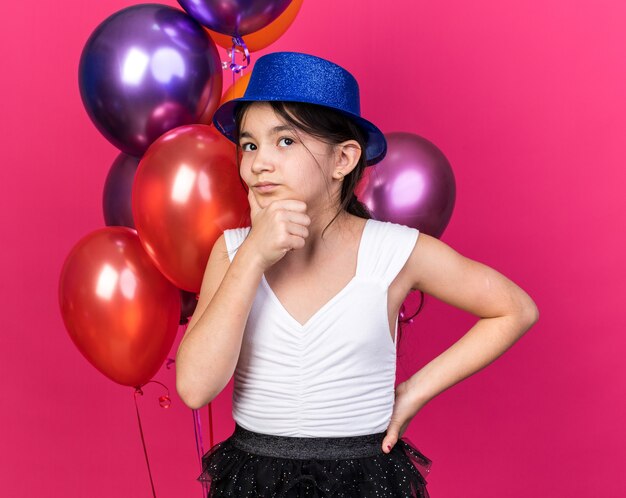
347 156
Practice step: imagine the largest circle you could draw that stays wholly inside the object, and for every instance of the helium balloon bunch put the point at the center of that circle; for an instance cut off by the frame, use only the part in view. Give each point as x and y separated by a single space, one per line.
150 78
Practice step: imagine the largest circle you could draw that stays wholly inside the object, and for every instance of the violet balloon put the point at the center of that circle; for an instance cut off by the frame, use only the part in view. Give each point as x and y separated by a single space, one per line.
188 303
413 185
117 192
145 70
235 17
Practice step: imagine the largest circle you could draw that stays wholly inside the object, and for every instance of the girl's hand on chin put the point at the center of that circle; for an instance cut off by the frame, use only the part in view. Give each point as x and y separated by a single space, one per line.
277 228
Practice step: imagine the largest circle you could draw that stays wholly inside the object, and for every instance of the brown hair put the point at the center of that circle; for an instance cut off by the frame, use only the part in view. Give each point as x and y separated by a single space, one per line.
329 126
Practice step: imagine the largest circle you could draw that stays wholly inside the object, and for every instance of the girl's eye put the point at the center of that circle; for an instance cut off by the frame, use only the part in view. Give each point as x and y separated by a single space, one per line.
286 140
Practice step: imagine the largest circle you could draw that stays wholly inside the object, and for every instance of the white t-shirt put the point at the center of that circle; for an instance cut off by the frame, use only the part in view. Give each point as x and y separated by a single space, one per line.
333 376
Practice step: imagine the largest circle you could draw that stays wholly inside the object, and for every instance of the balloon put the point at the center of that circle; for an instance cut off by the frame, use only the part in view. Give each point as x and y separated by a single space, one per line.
413 185
145 70
120 312
116 195
235 17
187 191
188 303
265 36
237 89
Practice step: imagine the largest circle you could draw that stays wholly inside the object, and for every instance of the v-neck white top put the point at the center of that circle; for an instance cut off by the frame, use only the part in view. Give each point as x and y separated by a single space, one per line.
333 376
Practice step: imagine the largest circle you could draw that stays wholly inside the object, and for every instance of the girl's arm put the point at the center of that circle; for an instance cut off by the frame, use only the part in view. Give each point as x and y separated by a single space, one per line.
208 354
506 312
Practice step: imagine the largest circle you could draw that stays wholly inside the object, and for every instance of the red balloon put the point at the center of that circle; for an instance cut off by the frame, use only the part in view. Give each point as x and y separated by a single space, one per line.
120 311
186 192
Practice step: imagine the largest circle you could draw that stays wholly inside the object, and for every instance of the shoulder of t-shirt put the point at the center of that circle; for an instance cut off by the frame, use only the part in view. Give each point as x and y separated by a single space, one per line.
393 226
390 246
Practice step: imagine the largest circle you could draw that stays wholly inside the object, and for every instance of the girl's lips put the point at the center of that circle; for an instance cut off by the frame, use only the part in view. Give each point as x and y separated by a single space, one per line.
266 188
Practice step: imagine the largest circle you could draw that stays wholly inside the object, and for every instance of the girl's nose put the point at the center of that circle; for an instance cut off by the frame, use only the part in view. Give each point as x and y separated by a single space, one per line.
263 161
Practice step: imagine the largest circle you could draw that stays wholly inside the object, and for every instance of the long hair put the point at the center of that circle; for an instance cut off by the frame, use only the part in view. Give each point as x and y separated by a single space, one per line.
328 126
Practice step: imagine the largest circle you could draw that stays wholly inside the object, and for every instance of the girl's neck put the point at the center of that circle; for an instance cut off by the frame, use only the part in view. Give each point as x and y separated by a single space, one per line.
343 228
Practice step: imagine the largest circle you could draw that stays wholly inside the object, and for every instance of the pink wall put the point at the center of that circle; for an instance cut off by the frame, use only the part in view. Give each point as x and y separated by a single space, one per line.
526 99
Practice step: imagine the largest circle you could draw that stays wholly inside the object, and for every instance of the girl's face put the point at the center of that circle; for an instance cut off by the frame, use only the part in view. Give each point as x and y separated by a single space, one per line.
272 151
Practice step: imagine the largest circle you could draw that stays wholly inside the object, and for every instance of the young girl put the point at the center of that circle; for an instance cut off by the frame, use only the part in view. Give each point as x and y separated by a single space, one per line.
302 306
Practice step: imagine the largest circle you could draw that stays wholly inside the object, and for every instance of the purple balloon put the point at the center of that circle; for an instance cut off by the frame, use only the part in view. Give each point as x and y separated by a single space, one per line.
413 185
145 70
235 17
188 303
117 193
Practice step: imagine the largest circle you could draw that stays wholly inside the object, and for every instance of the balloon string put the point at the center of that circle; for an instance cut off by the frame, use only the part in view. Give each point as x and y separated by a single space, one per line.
211 425
419 308
164 402
402 320
138 391
197 429
238 44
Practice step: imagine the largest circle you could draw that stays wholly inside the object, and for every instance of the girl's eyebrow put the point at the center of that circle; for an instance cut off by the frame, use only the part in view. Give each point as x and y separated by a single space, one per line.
273 131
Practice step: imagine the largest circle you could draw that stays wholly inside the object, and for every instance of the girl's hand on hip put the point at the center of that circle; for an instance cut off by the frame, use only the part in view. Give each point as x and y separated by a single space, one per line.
404 409
277 228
